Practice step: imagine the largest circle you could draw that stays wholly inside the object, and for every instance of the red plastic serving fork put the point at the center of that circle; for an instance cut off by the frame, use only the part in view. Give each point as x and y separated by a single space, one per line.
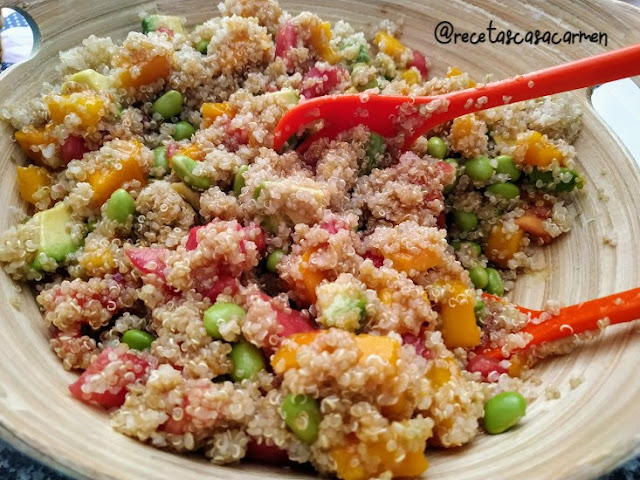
406 118
582 317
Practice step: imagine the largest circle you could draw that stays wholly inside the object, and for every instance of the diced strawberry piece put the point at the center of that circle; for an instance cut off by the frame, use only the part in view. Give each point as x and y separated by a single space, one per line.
192 240
317 83
258 450
172 148
418 344
485 365
333 226
378 260
105 382
441 220
225 284
286 39
168 31
446 173
149 260
178 427
420 62
255 234
73 148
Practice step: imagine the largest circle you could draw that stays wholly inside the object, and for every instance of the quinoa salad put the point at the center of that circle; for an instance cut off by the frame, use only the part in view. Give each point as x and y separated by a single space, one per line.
327 307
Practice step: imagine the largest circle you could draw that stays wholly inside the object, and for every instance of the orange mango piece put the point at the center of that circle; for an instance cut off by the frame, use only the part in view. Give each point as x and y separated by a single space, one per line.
414 463
211 111
150 71
502 245
97 261
461 128
385 347
87 105
30 180
33 140
285 357
411 76
455 71
310 278
459 327
390 45
320 38
105 181
192 151
540 152
404 261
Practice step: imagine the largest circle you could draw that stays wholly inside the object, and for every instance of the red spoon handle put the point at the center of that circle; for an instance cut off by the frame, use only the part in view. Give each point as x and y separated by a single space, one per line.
583 317
602 68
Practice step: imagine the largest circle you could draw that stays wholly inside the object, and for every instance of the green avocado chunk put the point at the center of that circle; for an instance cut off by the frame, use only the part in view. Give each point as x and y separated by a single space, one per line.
151 23
56 240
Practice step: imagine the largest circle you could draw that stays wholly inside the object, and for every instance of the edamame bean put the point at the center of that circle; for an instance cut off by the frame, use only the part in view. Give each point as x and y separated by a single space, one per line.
436 147
374 149
247 361
202 46
168 105
479 276
219 313
478 307
273 259
507 166
238 180
160 161
137 339
373 83
363 55
506 190
453 162
184 166
120 206
301 413
495 284
503 411
465 221
183 130
479 168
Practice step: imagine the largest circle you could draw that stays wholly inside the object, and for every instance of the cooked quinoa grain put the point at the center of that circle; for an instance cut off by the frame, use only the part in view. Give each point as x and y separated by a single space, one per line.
362 336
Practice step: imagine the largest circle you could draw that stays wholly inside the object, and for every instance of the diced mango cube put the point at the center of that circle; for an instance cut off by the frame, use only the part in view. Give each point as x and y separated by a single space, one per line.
459 327
384 347
455 71
97 260
534 226
540 152
390 45
404 261
148 71
211 111
502 245
310 278
320 41
30 180
34 140
411 76
89 106
285 357
105 181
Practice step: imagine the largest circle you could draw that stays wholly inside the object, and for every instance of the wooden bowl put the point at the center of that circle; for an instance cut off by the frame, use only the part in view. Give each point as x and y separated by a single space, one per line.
587 431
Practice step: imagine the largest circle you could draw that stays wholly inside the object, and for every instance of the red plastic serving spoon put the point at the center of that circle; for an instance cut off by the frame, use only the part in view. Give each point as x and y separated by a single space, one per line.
582 317
406 118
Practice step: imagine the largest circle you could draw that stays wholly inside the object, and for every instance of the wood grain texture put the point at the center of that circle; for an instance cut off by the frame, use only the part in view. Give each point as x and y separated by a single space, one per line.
587 431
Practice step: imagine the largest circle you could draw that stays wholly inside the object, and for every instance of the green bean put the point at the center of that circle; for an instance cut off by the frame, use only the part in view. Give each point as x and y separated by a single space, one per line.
220 313
479 168
507 166
247 361
120 206
202 46
169 105
301 413
137 339
238 180
184 166
479 276
465 221
436 147
273 259
495 284
547 181
506 190
503 412
160 161
183 130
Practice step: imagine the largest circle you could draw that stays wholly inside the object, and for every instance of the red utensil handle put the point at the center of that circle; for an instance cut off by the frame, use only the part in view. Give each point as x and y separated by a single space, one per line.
602 68
582 317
